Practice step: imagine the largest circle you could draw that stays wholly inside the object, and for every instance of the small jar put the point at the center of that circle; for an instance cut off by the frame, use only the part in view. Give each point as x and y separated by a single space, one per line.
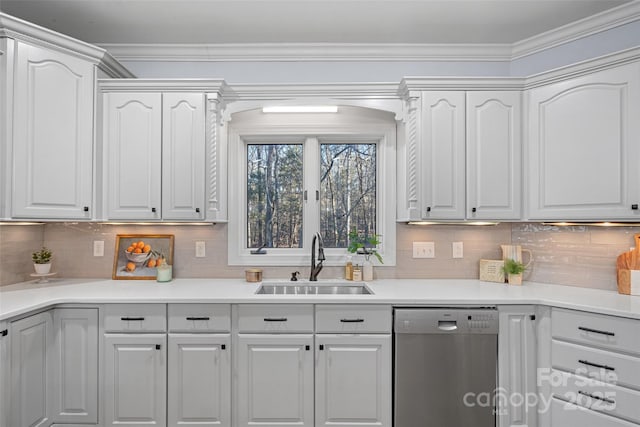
253 275
164 273
357 274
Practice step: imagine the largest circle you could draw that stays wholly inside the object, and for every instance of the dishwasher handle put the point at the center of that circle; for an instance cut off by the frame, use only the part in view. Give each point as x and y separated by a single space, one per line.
447 325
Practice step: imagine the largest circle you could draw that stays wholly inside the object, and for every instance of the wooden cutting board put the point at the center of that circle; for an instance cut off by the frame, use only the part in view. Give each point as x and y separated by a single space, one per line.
626 262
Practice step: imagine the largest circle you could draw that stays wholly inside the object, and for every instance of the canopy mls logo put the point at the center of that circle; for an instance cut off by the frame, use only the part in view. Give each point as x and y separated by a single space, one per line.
587 388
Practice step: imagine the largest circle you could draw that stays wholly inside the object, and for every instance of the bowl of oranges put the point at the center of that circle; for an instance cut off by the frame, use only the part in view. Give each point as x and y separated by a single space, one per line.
138 252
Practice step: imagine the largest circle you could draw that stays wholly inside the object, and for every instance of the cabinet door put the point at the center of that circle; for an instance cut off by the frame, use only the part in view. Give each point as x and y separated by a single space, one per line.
134 151
583 147
275 380
31 343
74 388
443 165
183 157
353 380
135 380
52 135
517 366
199 381
494 141
5 394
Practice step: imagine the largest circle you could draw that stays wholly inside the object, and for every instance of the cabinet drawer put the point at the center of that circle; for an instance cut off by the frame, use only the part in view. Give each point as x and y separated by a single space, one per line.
275 318
353 319
199 317
605 398
616 333
565 414
135 318
604 365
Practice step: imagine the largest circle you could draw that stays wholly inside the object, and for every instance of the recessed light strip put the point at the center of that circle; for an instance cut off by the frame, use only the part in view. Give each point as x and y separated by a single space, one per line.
301 109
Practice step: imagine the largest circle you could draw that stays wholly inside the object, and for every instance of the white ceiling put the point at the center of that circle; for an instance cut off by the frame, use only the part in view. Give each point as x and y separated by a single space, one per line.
304 21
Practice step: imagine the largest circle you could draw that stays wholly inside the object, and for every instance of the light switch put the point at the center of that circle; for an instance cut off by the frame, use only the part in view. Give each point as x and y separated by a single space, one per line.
98 248
200 249
457 249
424 250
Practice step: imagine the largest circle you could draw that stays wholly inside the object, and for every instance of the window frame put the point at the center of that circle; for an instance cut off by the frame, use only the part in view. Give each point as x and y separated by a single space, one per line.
355 125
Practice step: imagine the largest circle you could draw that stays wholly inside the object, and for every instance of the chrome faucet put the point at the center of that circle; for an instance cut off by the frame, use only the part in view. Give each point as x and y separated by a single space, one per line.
315 269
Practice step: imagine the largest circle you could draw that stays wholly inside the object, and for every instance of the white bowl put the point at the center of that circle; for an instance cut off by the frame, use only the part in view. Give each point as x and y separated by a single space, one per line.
138 258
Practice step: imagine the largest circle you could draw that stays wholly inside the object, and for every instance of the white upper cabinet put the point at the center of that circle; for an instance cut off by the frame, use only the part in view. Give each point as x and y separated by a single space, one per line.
494 159
443 147
155 155
183 156
133 137
52 134
583 150
471 155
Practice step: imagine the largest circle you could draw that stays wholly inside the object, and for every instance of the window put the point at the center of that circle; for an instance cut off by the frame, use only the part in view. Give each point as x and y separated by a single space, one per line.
302 174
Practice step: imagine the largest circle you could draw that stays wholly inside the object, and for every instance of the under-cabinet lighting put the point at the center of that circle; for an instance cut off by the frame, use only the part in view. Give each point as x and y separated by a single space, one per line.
594 224
301 109
20 223
158 223
452 223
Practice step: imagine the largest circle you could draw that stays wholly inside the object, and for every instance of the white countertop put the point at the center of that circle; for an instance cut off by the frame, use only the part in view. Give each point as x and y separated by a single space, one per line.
24 297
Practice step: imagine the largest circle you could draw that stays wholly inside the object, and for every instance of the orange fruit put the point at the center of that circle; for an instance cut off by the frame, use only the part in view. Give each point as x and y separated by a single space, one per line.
137 251
130 266
146 249
151 263
141 244
159 262
130 249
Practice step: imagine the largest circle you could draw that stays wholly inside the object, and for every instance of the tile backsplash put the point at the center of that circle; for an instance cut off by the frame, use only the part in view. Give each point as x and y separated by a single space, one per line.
574 255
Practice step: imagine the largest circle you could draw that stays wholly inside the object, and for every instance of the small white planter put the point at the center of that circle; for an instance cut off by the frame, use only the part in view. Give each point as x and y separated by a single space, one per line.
42 268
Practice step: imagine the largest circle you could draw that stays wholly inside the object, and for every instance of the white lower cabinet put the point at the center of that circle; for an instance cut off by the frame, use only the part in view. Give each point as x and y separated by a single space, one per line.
199 380
353 380
74 385
517 365
4 374
135 375
30 370
274 380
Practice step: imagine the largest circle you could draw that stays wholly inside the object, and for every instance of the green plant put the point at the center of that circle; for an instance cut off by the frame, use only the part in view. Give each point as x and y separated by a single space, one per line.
43 256
365 245
512 266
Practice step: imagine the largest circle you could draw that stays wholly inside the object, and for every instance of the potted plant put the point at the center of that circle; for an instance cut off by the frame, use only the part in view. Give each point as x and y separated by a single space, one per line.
367 246
513 270
42 260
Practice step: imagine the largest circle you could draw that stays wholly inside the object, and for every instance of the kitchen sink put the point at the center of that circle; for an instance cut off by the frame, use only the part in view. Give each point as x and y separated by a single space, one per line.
308 288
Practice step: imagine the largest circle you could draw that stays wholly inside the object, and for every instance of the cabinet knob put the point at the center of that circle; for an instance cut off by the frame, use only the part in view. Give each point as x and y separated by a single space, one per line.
158 346
223 347
634 207
4 333
307 348
428 208
197 210
153 210
321 347
86 209
474 210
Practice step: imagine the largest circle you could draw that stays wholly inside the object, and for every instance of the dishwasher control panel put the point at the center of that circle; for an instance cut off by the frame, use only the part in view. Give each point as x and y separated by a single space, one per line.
445 321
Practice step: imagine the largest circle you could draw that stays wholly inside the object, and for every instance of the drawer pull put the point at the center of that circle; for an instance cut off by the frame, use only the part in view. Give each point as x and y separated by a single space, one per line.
593 396
197 318
321 347
595 331
352 320
131 319
275 319
596 365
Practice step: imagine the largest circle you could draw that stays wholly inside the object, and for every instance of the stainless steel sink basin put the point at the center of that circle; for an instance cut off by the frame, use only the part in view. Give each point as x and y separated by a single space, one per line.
308 288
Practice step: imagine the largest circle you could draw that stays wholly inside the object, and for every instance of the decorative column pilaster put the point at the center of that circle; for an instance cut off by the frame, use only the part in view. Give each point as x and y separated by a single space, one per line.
412 118
216 207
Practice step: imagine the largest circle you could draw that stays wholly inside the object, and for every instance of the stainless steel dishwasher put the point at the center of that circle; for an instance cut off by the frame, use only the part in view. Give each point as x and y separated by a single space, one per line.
445 367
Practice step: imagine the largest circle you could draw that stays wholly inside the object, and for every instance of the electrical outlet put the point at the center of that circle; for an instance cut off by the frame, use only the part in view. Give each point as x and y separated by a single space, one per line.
457 249
200 249
424 250
98 248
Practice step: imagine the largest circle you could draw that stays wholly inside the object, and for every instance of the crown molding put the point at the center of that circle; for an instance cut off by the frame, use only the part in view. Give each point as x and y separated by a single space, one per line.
309 52
163 85
345 91
18 29
239 52
594 24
